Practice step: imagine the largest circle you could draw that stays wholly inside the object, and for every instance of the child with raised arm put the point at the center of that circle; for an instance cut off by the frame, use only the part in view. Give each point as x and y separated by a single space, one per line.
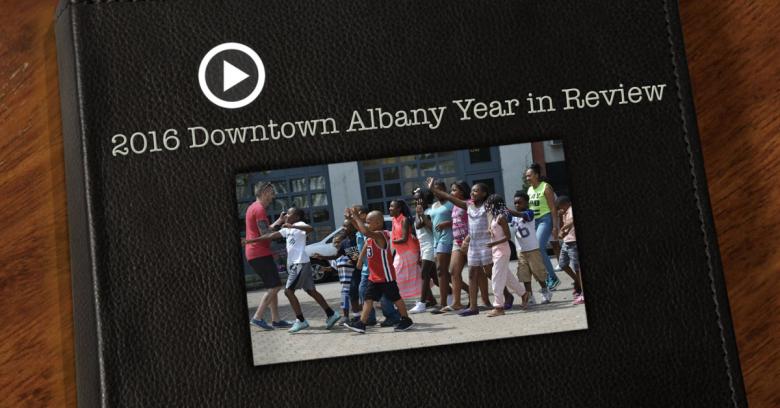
299 270
441 222
569 259
480 259
424 229
460 231
344 262
529 259
360 213
381 278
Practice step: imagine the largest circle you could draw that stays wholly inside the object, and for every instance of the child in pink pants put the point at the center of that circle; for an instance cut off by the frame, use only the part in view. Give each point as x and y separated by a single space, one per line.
499 244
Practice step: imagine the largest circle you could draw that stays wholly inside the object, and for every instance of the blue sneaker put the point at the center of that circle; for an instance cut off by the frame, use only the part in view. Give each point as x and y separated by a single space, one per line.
281 324
299 325
510 300
332 320
554 283
468 312
261 324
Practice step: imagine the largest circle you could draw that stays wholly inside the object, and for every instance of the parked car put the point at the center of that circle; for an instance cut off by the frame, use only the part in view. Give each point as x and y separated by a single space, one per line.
322 269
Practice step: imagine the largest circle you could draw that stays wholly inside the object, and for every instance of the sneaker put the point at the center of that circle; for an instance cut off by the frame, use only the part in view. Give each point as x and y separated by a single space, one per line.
332 320
558 268
580 300
532 299
281 324
431 303
496 312
371 322
419 307
554 284
357 326
298 326
343 321
389 323
404 325
546 296
468 312
261 323
510 300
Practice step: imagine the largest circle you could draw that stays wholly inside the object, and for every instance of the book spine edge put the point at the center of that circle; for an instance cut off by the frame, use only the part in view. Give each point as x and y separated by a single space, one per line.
718 285
90 384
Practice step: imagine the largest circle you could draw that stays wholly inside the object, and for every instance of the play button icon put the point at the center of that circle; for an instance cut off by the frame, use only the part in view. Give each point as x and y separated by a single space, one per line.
231 75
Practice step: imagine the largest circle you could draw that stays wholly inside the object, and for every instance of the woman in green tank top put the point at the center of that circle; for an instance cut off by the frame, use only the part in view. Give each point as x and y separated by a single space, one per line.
542 203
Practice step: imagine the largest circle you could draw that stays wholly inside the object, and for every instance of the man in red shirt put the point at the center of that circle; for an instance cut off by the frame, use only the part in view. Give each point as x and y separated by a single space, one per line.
260 257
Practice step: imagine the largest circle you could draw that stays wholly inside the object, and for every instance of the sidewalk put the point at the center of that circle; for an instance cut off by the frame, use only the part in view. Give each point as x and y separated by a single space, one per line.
278 346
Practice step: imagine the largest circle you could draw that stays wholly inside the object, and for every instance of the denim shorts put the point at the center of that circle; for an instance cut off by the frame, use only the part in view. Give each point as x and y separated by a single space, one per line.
569 256
443 247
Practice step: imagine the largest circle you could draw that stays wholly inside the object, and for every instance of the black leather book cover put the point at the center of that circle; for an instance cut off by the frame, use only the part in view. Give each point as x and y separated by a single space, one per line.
155 138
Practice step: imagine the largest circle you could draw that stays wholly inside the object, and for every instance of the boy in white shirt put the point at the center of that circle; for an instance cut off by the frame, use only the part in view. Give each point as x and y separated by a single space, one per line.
529 259
299 272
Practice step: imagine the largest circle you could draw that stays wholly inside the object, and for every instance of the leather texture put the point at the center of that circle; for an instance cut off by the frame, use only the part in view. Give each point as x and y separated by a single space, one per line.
158 290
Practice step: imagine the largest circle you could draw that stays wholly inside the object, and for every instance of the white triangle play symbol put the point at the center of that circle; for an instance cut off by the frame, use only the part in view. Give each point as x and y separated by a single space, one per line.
231 76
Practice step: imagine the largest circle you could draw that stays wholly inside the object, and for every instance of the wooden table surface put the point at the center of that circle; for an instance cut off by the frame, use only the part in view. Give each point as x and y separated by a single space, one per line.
734 61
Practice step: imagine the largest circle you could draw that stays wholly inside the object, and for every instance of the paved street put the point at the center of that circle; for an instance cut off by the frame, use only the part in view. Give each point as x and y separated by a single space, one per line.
278 346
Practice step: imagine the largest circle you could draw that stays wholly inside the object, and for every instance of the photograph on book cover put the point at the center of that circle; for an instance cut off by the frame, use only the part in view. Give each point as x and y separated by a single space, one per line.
420 250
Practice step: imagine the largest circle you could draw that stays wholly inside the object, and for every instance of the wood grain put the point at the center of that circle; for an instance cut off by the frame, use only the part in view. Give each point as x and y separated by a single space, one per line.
734 61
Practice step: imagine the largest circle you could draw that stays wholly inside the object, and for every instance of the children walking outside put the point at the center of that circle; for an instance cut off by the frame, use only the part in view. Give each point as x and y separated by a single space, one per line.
299 270
460 231
480 259
360 214
499 245
569 259
441 220
529 259
407 250
424 229
382 277
344 262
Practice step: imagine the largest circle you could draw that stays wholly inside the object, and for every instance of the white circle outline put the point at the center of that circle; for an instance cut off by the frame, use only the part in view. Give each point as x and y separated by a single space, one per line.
236 47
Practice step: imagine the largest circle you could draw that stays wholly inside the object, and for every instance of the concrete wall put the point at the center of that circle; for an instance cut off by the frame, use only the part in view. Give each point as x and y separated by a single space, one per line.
344 187
514 160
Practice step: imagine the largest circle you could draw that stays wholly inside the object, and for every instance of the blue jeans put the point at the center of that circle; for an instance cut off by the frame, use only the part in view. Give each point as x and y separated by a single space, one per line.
544 225
388 309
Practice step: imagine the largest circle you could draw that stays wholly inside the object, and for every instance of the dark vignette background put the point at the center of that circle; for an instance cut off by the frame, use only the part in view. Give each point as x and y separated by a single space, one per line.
171 299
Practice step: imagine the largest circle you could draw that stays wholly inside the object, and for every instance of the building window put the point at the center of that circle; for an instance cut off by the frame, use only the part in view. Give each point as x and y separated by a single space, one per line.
394 178
480 155
306 188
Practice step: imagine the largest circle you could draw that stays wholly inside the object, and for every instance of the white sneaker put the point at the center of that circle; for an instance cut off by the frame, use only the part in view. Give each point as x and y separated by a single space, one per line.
531 299
546 296
419 307
449 300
